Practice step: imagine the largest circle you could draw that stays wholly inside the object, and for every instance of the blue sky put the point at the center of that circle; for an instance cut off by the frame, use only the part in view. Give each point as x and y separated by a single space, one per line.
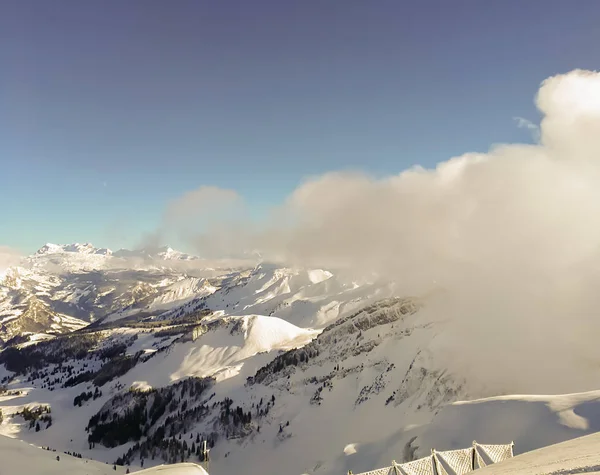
111 109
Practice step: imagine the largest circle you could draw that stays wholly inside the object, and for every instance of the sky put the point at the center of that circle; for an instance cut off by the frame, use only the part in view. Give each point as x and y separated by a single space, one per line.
112 111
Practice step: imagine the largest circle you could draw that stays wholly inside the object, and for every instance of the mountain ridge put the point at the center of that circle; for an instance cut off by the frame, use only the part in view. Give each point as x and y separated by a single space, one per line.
273 366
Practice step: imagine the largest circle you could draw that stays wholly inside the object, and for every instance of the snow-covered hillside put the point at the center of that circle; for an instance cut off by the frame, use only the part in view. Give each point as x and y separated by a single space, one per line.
370 369
19 458
307 298
369 389
280 370
532 421
77 284
37 300
578 455
25 306
61 288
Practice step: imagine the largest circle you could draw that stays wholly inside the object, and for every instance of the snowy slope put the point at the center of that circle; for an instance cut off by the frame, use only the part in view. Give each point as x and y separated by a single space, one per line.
19 458
177 469
336 374
73 299
579 455
531 421
90 284
222 351
173 292
305 297
27 310
234 347
368 389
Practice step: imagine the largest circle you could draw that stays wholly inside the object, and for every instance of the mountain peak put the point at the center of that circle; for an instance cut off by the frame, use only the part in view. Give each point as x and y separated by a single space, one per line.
86 248
166 253
162 253
49 248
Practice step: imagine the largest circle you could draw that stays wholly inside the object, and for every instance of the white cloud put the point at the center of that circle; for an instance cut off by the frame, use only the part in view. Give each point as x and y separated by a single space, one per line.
512 235
206 203
527 124
8 257
186 216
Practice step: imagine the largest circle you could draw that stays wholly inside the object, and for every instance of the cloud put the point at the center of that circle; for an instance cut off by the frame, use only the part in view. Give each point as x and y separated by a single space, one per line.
511 237
8 257
187 215
527 124
209 203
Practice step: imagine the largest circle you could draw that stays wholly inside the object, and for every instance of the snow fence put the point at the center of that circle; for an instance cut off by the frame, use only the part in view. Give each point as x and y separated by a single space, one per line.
450 462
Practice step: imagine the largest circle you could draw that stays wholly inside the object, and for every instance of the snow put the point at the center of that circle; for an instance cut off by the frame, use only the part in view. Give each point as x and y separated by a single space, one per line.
180 292
578 455
77 257
86 248
19 458
305 298
350 449
221 352
35 338
178 469
262 311
319 275
140 386
50 248
531 421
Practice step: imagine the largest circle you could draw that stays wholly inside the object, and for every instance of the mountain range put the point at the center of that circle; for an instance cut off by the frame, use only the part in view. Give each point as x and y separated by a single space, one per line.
129 358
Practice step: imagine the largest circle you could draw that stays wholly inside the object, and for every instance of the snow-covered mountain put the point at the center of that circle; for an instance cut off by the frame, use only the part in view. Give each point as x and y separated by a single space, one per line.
164 253
281 370
77 284
86 248
61 288
35 295
85 257
268 395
